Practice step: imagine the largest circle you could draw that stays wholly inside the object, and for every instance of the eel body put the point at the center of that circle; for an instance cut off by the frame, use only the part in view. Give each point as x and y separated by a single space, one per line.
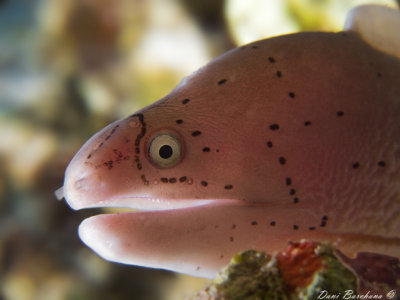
291 137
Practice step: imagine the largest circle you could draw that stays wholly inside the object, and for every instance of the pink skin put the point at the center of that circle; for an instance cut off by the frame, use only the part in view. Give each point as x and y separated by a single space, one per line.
299 138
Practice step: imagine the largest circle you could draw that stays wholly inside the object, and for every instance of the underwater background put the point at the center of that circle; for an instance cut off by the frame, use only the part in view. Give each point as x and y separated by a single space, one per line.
70 67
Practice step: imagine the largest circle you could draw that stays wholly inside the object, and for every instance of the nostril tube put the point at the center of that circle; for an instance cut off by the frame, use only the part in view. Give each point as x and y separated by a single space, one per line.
59 193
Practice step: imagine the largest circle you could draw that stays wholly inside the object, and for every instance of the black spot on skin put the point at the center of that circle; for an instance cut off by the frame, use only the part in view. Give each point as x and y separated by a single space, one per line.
217 150
279 74
196 133
307 123
89 156
288 181
295 200
222 81
233 226
292 192
292 95
206 149
172 180
231 239
311 228
164 179
109 136
109 164
118 153
254 223
323 224
228 187
179 121
114 129
274 126
142 132
182 179
340 113
204 183
273 223
221 257
271 59
356 165
254 47
295 227
282 160
381 163
185 101
324 218
145 181
137 143
269 144
379 75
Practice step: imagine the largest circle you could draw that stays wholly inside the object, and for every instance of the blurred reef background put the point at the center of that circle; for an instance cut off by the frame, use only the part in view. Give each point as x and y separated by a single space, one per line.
70 67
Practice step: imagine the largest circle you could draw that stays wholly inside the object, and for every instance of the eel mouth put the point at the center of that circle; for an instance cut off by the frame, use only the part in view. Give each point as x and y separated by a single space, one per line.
140 202
148 203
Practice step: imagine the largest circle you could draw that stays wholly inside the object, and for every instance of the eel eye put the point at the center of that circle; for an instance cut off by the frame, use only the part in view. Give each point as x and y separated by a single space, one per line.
165 150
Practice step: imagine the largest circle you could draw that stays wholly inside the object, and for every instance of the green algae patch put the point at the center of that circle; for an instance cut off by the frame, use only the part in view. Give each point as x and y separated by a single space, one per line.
250 275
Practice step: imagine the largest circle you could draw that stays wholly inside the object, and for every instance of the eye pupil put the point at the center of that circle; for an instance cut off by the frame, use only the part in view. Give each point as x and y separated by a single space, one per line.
165 151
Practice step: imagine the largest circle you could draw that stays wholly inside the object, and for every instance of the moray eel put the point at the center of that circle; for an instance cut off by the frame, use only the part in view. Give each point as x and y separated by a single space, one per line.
291 137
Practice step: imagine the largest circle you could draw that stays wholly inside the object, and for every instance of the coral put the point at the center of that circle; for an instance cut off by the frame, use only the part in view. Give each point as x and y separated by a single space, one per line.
305 270
250 275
